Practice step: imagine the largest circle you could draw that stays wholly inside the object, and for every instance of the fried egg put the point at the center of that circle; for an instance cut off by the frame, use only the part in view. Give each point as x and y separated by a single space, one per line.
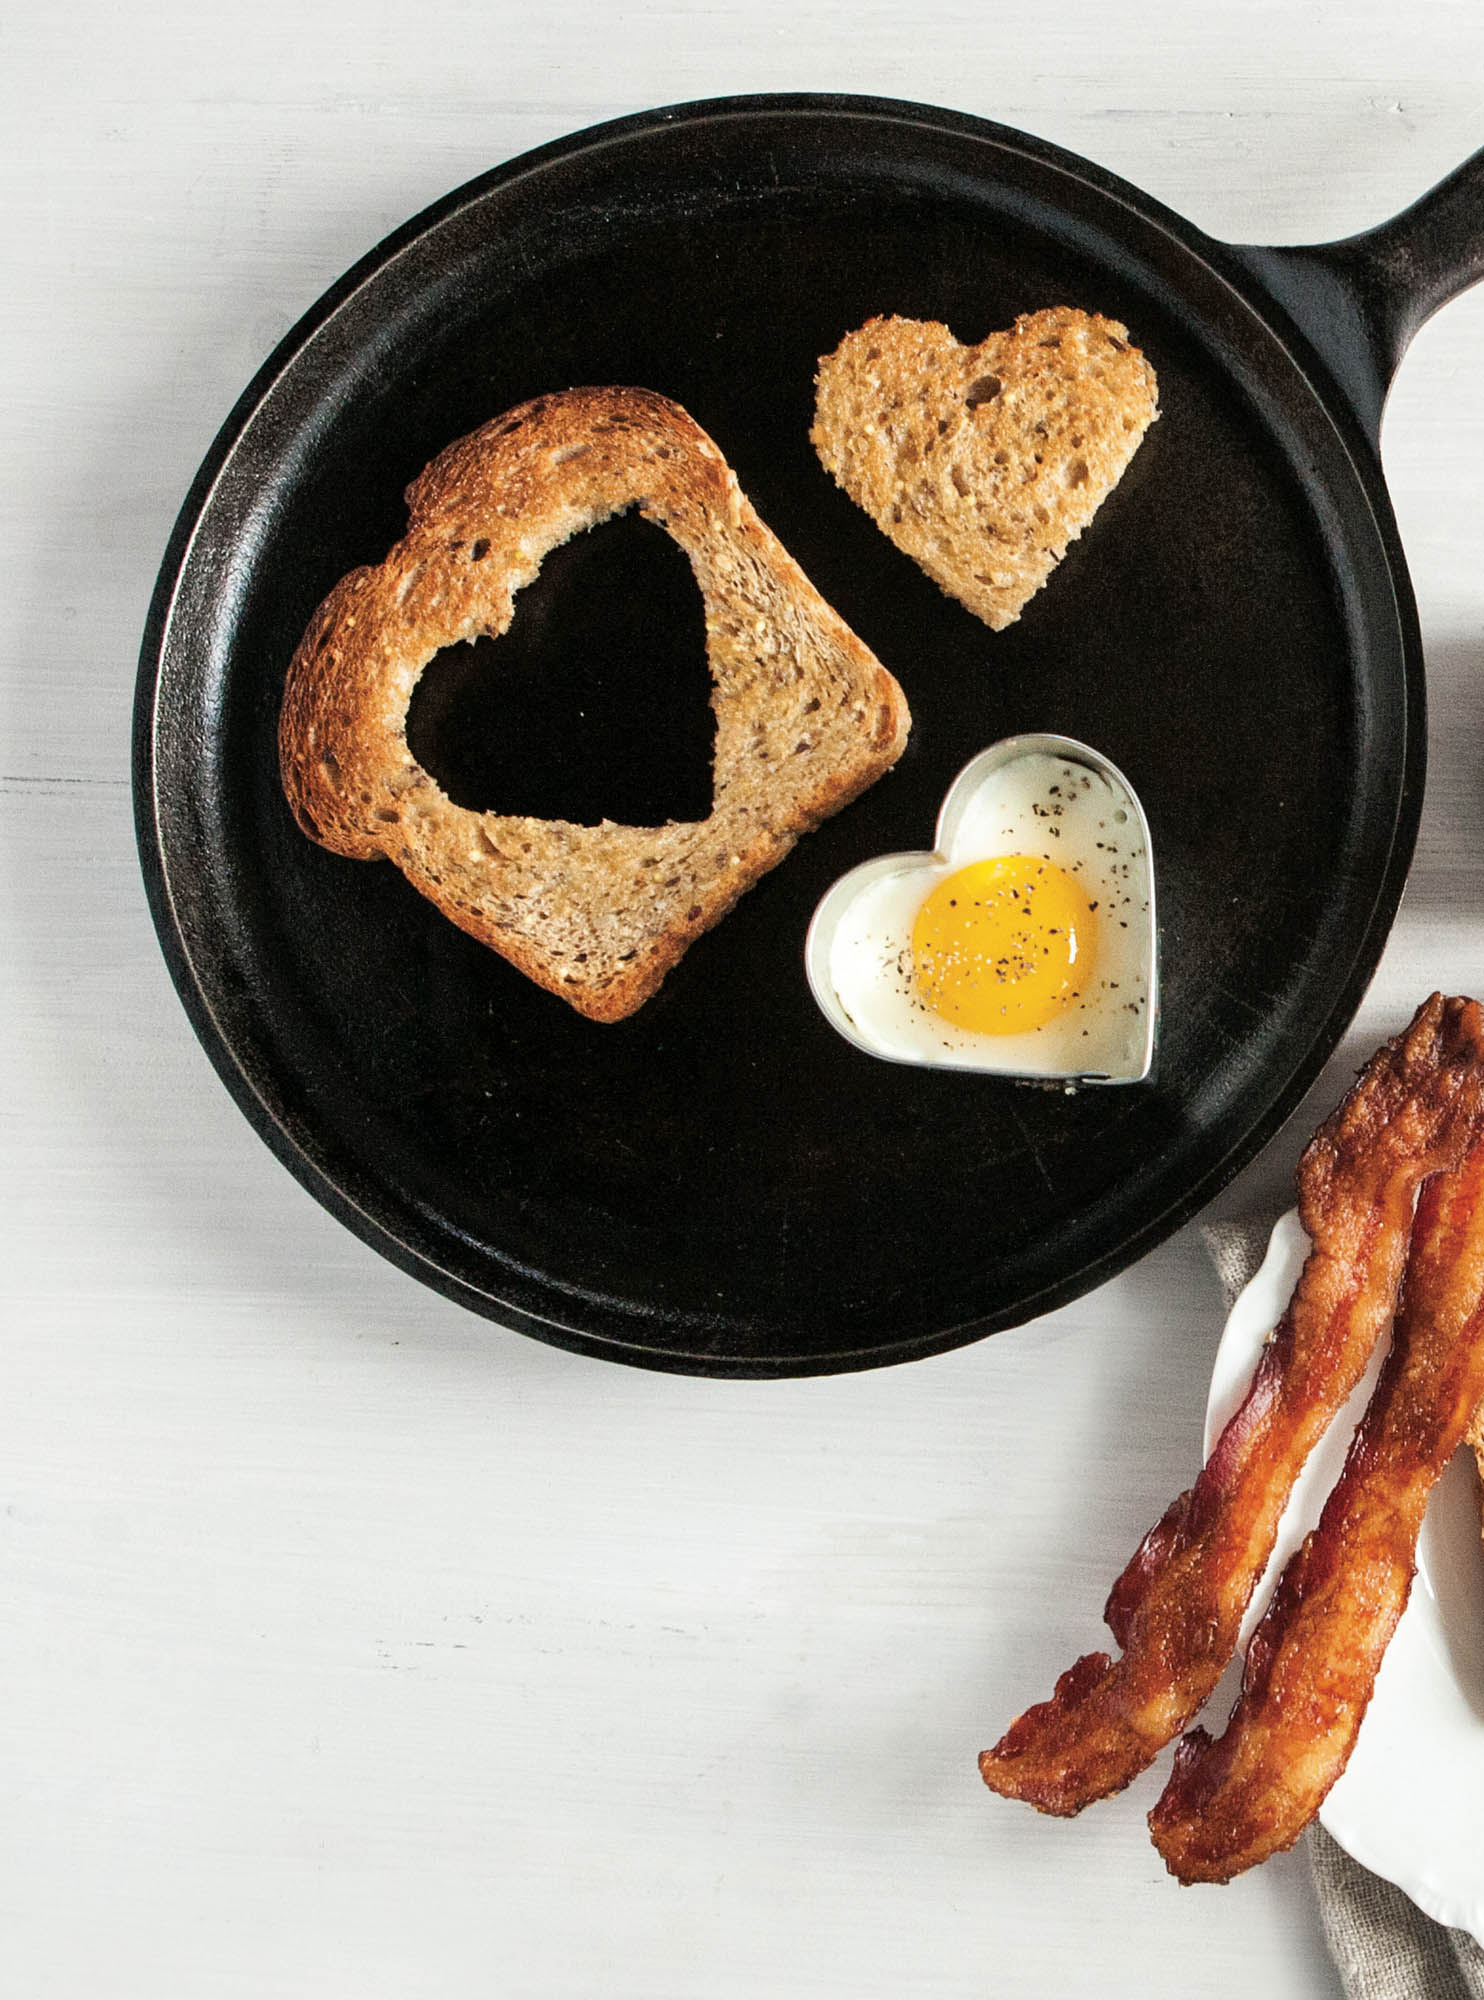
1025 943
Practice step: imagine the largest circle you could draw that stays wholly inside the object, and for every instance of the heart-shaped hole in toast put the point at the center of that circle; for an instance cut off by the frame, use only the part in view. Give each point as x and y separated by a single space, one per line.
1024 944
595 704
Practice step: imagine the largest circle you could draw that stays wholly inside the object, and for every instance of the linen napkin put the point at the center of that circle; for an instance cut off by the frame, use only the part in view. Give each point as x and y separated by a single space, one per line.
1384 1947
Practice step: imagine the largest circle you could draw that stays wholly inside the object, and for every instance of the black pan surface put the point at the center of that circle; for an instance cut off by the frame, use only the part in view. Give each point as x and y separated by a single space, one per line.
721 1184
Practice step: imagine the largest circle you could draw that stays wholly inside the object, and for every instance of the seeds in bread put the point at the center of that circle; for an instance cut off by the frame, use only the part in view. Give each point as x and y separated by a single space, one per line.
806 716
984 463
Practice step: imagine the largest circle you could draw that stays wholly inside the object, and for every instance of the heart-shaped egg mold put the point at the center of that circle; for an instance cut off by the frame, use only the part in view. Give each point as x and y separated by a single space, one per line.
1042 795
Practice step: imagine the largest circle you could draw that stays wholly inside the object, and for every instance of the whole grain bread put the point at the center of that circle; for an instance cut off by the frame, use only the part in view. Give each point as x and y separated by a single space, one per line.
984 463
805 716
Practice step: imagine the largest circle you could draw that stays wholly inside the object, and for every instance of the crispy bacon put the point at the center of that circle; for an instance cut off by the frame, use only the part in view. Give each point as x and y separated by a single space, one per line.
1312 1662
1177 1608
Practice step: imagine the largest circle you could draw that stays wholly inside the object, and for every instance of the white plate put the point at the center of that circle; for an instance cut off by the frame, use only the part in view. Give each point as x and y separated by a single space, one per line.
1410 1805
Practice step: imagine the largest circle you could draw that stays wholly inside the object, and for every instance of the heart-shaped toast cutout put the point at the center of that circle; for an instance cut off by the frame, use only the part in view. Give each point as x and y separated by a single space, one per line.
984 463
1025 943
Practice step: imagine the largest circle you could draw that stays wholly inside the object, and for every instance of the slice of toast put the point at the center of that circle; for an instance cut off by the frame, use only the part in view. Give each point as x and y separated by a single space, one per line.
1475 1435
806 716
984 463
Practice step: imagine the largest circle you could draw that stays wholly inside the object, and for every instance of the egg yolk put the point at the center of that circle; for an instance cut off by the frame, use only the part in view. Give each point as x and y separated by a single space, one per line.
1002 946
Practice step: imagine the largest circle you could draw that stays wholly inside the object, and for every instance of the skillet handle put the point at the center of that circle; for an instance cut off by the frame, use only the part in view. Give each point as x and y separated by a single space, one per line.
1361 299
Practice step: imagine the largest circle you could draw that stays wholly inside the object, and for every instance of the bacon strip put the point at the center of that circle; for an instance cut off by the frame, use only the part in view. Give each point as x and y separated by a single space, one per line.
1177 1608
1312 1662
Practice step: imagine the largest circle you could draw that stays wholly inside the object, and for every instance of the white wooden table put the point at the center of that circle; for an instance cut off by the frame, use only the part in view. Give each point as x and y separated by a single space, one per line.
348 1644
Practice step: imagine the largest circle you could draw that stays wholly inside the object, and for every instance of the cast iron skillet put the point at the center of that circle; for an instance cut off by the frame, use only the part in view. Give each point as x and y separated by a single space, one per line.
722 1184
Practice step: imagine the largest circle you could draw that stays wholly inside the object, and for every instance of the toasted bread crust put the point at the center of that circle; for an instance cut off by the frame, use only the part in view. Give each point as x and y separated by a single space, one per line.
806 716
984 463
